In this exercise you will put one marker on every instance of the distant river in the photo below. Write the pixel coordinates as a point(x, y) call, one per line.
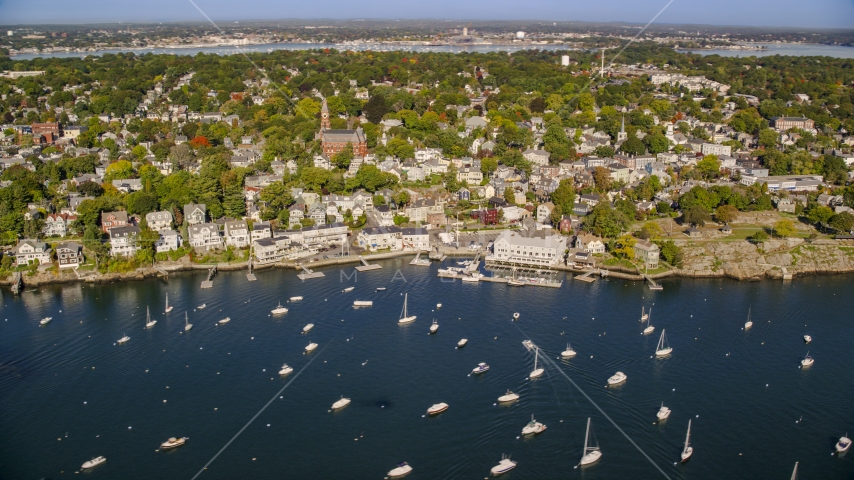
point(791, 49)
point(69, 393)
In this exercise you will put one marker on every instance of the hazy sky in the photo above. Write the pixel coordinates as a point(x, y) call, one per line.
point(796, 13)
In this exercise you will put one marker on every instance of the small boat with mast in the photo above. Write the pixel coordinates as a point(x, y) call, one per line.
point(687, 450)
point(148, 321)
point(663, 413)
point(122, 340)
point(168, 307)
point(568, 353)
point(663, 349)
point(749, 322)
point(45, 321)
point(537, 372)
point(644, 315)
point(187, 324)
point(173, 442)
point(404, 315)
point(649, 328)
point(843, 444)
point(435, 327)
point(279, 310)
point(94, 462)
point(533, 427)
point(592, 453)
point(807, 361)
point(508, 397)
point(504, 466)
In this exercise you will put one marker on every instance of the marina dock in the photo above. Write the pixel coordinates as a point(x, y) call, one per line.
point(209, 282)
point(652, 284)
point(587, 277)
point(309, 273)
point(417, 261)
point(366, 267)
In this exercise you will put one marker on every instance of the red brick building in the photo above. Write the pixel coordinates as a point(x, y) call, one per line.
point(334, 141)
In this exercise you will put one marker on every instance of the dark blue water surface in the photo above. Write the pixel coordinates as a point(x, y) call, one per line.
point(69, 393)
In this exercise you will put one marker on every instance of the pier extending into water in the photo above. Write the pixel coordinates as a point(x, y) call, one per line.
point(209, 282)
point(308, 273)
point(587, 277)
point(367, 267)
point(418, 262)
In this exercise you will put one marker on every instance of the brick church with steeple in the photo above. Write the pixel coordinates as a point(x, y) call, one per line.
point(334, 141)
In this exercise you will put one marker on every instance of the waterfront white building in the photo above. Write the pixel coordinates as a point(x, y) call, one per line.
point(123, 241)
point(540, 248)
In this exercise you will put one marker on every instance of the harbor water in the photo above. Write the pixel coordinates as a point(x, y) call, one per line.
point(71, 393)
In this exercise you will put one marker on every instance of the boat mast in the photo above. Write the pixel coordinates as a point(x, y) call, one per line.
point(795, 472)
point(687, 437)
point(167, 300)
point(536, 356)
point(405, 300)
point(147, 315)
point(586, 437)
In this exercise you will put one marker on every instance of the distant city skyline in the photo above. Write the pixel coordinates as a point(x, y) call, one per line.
point(762, 13)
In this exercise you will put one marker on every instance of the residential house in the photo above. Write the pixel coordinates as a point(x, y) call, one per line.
point(590, 243)
point(384, 216)
point(419, 209)
point(159, 221)
point(470, 175)
point(195, 213)
point(373, 238)
point(169, 240)
point(324, 235)
point(647, 252)
point(536, 157)
point(261, 230)
point(28, 251)
point(416, 239)
point(529, 247)
point(544, 211)
point(128, 185)
point(111, 220)
point(237, 233)
point(69, 254)
point(57, 224)
point(205, 236)
point(464, 194)
point(123, 241)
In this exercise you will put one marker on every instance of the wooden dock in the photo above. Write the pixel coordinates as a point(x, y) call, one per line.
point(209, 282)
point(421, 263)
point(366, 267)
point(587, 277)
point(652, 284)
point(250, 276)
point(309, 274)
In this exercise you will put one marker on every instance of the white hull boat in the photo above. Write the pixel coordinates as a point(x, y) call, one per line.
point(435, 327)
point(617, 379)
point(123, 340)
point(508, 397)
point(663, 413)
point(807, 339)
point(533, 427)
point(843, 444)
point(516, 316)
point(592, 453)
point(94, 462)
point(749, 323)
point(807, 361)
point(348, 289)
point(438, 305)
point(286, 370)
point(687, 450)
point(341, 403)
point(224, 320)
point(187, 324)
point(568, 353)
point(279, 310)
point(296, 299)
point(402, 469)
point(202, 306)
point(168, 308)
point(480, 368)
point(462, 343)
point(307, 328)
point(663, 349)
point(404, 315)
point(380, 289)
point(310, 347)
point(515, 283)
point(537, 372)
point(504, 466)
point(474, 278)
point(173, 442)
point(437, 409)
point(148, 321)
point(644, 315)
point(45, 320)
point(648, 330)
point(363, 303)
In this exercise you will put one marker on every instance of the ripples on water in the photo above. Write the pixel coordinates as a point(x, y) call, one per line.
point(215, 378)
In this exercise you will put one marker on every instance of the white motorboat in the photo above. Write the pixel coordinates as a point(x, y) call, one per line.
point(473, 278)
point(663, 413)
point(224, 320)
point(187, 324)
point(537, 372)
point(348, 289)
point(173, 442)
point(592, 453)
point(297, 298)
point(168, 308)
point(310, 347)
point(307, 328)
point(404, 315)
point(617, 378)
point(516, 316)
point(438, 305)
point(515, 283)
point(807, 361)
point(45, 320)
point(381, 289)
point(508, 397)
point(402, 469)
point(202, 306)
point(663, 349)
point(533, 427)
point(94, 462)
point(462, 343)
point(504, 466)
point(363, 303)
point(843, 444)
point(435, 327)
point(343, 402)
point(687, 450)
point(568, 353)
point(437, 409)
point(286, 370)
point(528, 344)
point(123, 340)
point(807, 339)
point(644, 315)
point(148, 321)
point(480, 368)
point(749, 322)
point(279, 310)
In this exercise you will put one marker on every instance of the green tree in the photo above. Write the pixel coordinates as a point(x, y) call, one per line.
point(696, 215)
point(670, 252)
point(140, 203)
point(759, 237)
point(564, 195)
point(785, 228)
point(375, 108)
point(709, 167)
point(278, 197)
point(819, 214)
point(510, 196)
point(624, 247)
point(343, 158)
point(842, 222)
point(726, 213)
point(768, 138)
point(118, 171)
point(650, 230)
point(633, 146)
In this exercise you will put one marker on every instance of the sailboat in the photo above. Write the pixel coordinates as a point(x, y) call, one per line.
point(187, 324)
point(435, 327)
point(649, 328)
point(644, 315)
point(538, 372)
point(592, 454)
point(148, 321)
point(807, 361)
point(749, 322)
point(795, 472)
point(404, 315)
point(568, 353)
point(279, 310)
point(663, 349)
point(168, 308)
point(688, 450)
